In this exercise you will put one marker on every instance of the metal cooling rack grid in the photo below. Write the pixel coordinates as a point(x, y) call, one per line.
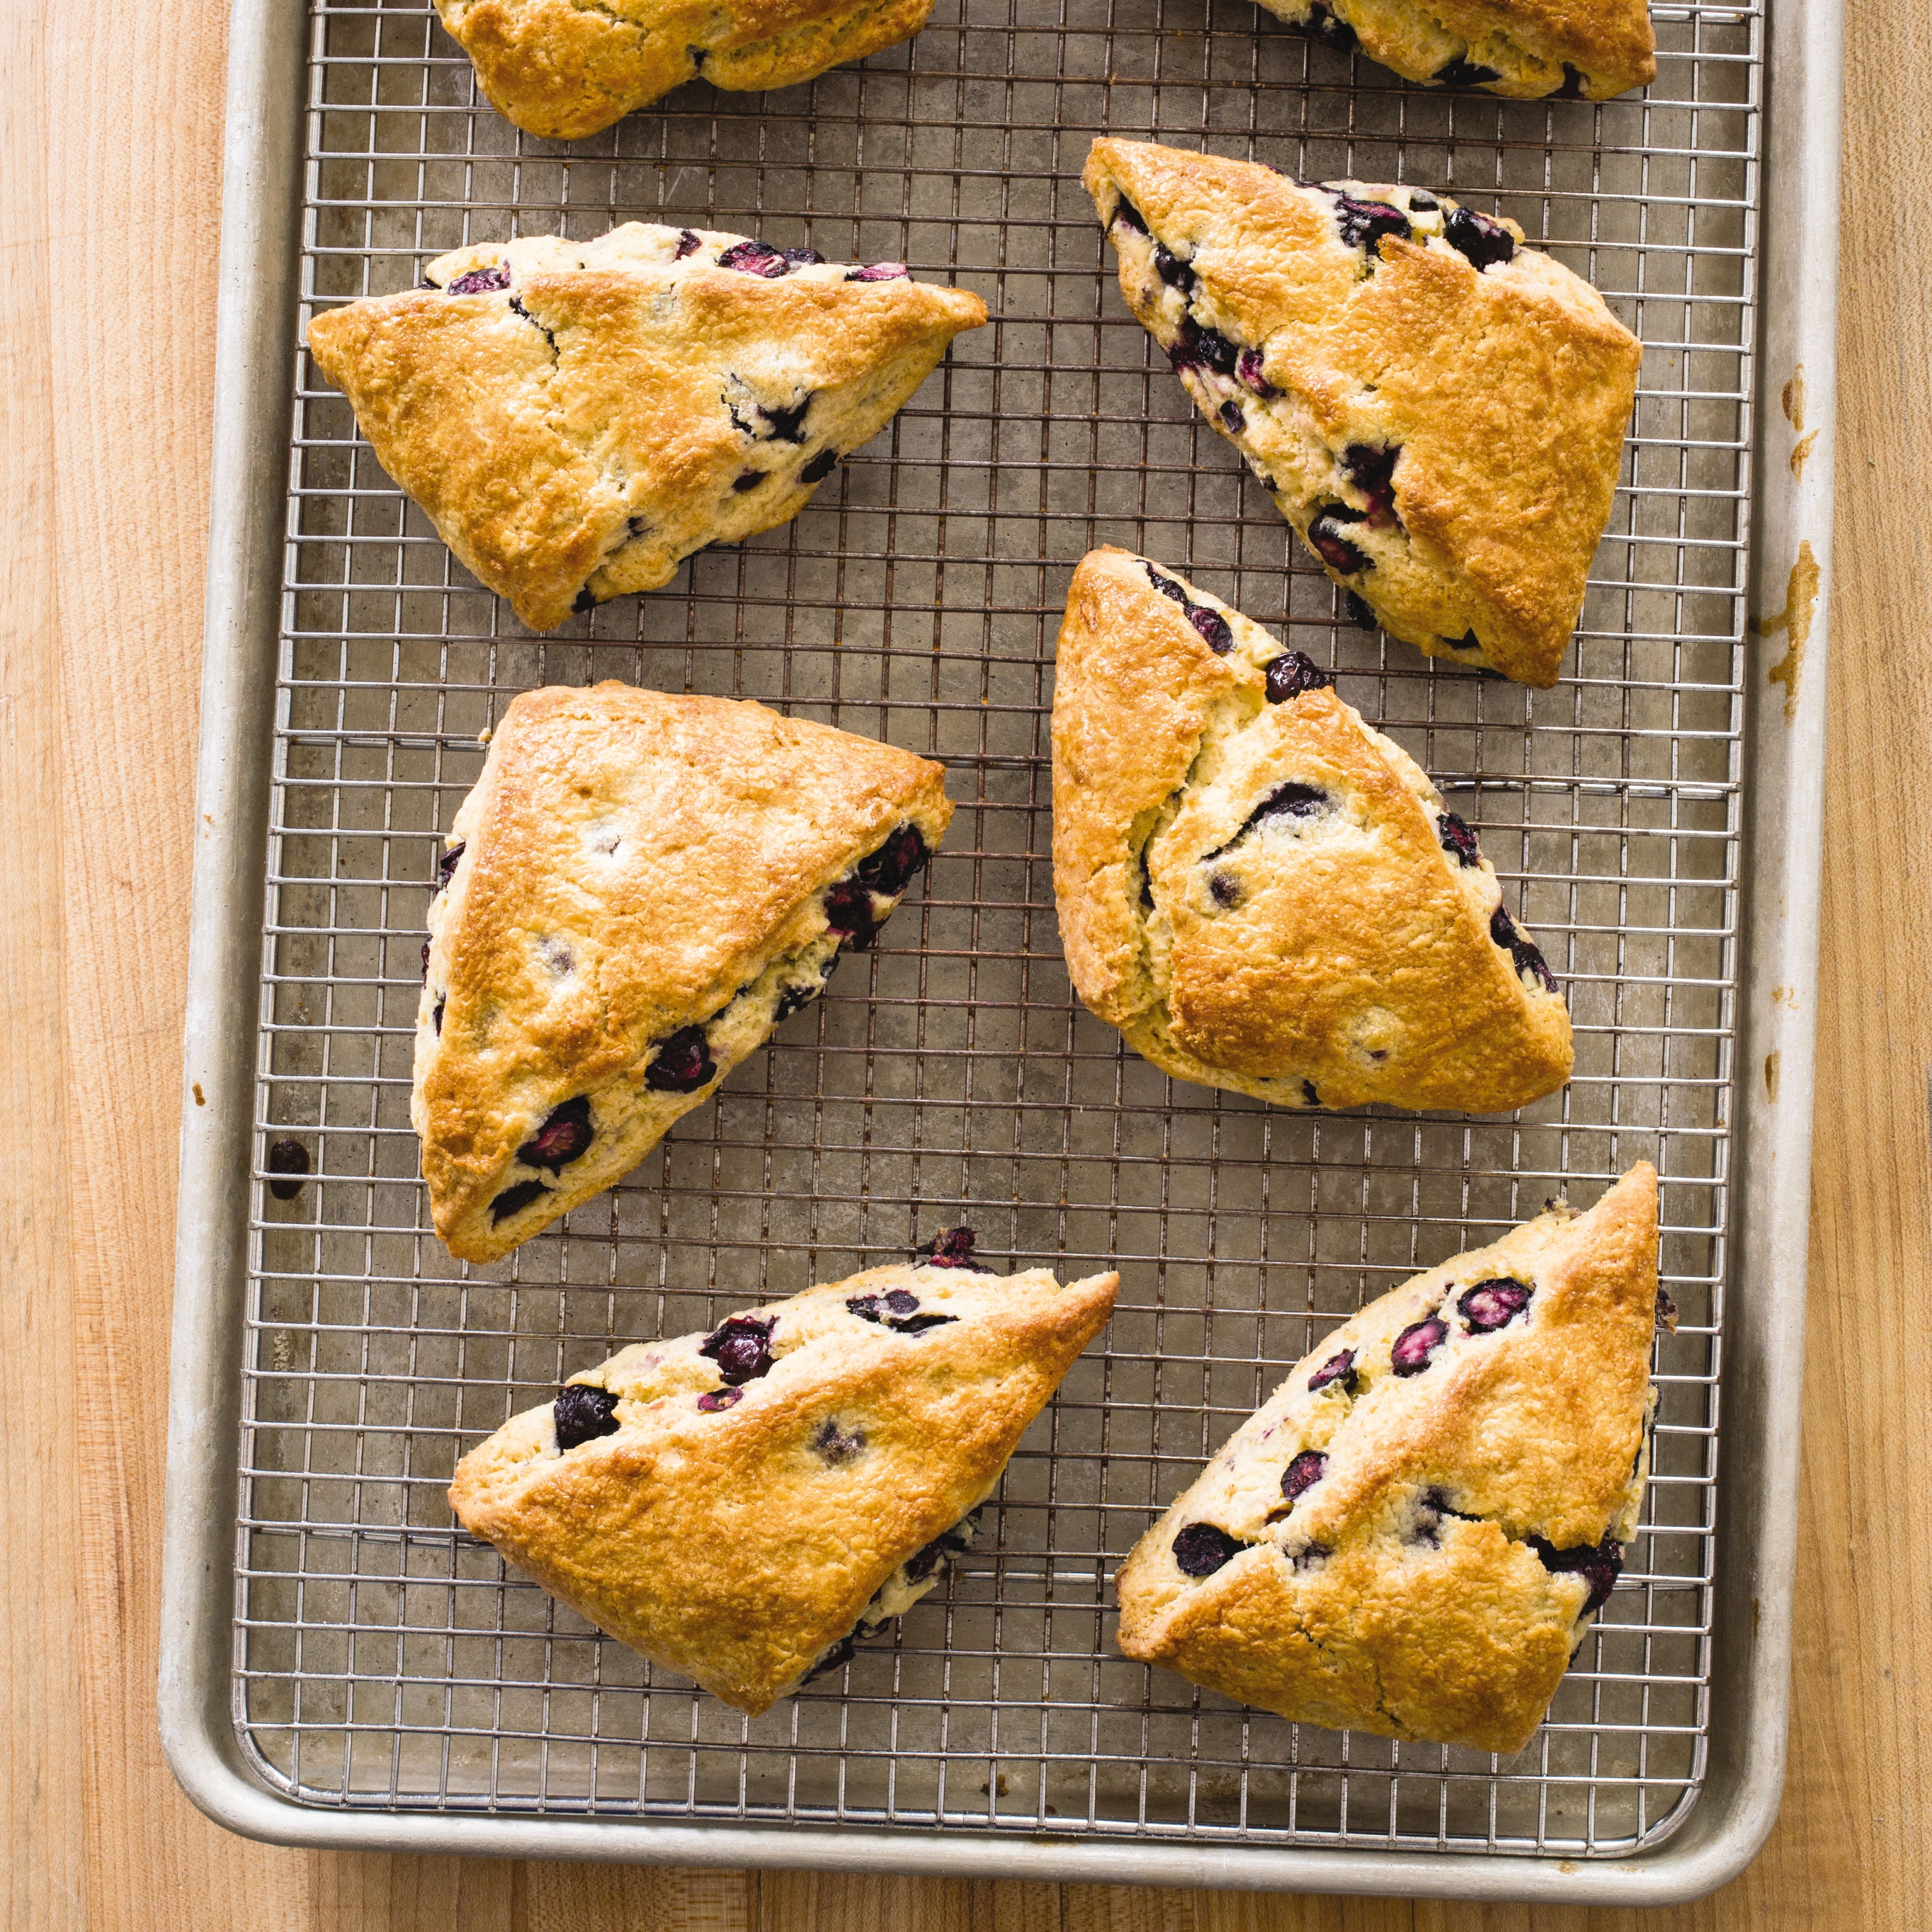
point(383, 1660)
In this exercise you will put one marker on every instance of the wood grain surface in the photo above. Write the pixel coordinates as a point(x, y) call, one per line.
point(110, 164)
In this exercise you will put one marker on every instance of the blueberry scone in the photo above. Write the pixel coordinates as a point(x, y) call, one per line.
point(738, 1506)
point(1438, 411)
point(1414, 1533)
point(1260, 891)
point(638, 890)
point(578, 417)
point(563, 70)
point(1526, 49)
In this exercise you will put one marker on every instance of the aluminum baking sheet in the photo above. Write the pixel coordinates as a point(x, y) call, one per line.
point(376, 1670)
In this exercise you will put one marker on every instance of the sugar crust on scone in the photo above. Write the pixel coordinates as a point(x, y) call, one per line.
point(1417, 1550)
point(1438, 412)
point(638, 888)
point(1356, 952)
point(1524, 50)
point(576, 417)
point(753, 1504)
point(563, 70)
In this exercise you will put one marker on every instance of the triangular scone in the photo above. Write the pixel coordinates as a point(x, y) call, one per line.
point(734, 1505)
point(1260, 891)
point(1438, 412)
point(564, 70)
point(1412, 1535)
point(637, 890)
point(578, 417)
point(1527, 50)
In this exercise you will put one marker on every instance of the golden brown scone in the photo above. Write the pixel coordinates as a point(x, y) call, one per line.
point(1413, 1533)
point(1527, 50)
point(564, 70)
point(637, 890)
point(578, 417)
point(1258, 889)
point(734, 1505)
point(1439, 412)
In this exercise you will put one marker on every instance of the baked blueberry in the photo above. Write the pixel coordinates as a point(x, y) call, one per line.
point(840, 1654)
point(288, 1163)
point(584, 603)
point(1125, 212)
point(1302, 1474)
point(565, 1135)
point(515, 1200)
point(1492, 1304)
point(1168, 587)
point(902, 1300)
point(1225, 890)
point(747, 479)
point(481, 281)
point(952, 1249)
point(1572, 88)
point(1340, 1367)
point(1421, 202)
point(435, 1016)
point(1195, 347)
point(1294, 672)
point(795, 997)
point(1174, 272)
point(1457, 838)
point(837, 1445)
point(755, 258)
point(1308, 1094)
point(712, 1400)
point(1213, 629)
point(802, 258)
point(917, 1324)
point(786, 425)
point(1359, 612)
point(1291, 800)
point(880, 271)
point(1372, 470)
point(1484, 243)
point(896, 863)
point(1326, 539)
point(446, 864)
point(1200, 1550)
point(741, 1347)
point(1248, 367)
point(1325, 24)
point(848, 911)
point(1463, 72)
point(1525, 954)
point(688, 244)
point(1430, 1509)
point(582, 1414)
point(948, 1544)
point(820, 466)
point(1416, 1344)
point(1599, 1564)
point(1231, 416)
point(683, 1062)
point(1363, 224)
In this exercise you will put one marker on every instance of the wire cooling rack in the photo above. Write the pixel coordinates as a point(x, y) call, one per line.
point(384, 1660)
